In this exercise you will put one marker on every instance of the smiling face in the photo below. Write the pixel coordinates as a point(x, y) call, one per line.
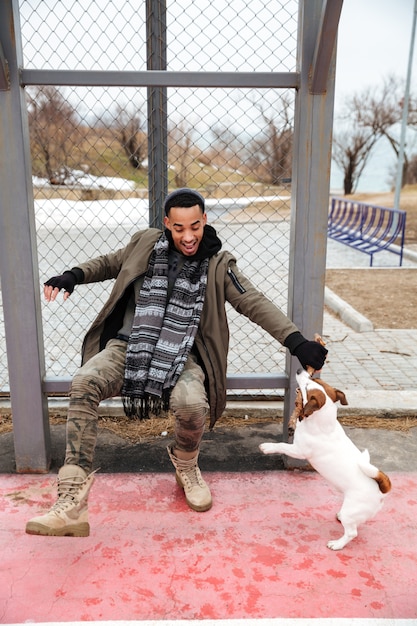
point(187, 228)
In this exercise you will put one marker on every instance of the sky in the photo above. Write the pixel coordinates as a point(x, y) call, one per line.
point(373, 42)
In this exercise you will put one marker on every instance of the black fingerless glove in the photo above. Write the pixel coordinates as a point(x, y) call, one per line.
point(307, 352)
point(67, 280)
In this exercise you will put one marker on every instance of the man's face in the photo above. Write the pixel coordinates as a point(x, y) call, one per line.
point(187, 228)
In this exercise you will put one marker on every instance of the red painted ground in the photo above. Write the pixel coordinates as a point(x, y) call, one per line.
point(260, 552)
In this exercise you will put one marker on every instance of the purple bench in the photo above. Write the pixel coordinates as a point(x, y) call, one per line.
point(366, 227)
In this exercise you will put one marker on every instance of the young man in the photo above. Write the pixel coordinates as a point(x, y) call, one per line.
point(160, 341)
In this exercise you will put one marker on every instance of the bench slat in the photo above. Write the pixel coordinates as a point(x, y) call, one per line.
point(366, 227)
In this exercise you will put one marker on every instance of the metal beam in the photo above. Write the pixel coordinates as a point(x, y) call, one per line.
point(19, 264)
point(158, 78)
point(157, 103)
point(257, 381)
point(234, 381)
point(404, 121)
point(310, 198)
point(4, 71)
point(325, 44)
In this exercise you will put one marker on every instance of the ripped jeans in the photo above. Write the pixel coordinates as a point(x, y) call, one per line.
point(102, 377)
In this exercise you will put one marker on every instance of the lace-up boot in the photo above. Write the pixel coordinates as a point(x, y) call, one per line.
point(188, 476)
point(69, 515)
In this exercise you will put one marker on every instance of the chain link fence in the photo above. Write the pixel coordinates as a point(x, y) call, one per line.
point(89, 148)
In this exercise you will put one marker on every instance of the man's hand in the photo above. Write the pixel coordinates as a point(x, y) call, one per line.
point(320, 340)
point(53, 286)
point(312, 355)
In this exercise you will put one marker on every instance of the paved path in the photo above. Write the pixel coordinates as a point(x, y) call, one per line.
point(259, 553)
point(377, 367)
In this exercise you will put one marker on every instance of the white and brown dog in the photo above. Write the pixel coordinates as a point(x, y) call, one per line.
point(320, 439)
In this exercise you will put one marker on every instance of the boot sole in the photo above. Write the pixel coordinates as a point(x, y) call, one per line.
point(79, 530)
point(195, 507)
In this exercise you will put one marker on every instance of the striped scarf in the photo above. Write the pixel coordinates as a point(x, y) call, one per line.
point(162, 333)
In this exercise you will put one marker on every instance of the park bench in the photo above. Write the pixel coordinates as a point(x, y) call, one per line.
point(367, 227)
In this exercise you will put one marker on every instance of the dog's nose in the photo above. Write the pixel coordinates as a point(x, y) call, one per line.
point(300, 371)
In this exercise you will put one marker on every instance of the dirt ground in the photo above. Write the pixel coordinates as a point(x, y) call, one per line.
point(134, 431)
point(387, 297)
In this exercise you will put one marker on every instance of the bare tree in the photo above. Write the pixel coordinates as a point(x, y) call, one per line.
point(54, 132)
point(131, 135)
point(368, 117)
point(181, 153)
point(271, 152)
point(351, 152)
point(227, 148)
point(411, 174)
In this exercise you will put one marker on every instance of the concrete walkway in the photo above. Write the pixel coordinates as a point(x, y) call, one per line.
point(260, 552)
point(375, 368)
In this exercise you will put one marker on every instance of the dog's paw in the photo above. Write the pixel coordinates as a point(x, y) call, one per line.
point(338, 544)
point(269, 448)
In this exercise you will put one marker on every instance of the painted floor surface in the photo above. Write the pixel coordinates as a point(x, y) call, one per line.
point(260, 552)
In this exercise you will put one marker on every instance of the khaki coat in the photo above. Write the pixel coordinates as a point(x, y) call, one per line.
point(225, 283)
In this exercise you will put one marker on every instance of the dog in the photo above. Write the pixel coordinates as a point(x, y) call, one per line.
point(320, 439)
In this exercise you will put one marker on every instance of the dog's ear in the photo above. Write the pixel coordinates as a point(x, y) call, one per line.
point(316, 398)
point(334, 394)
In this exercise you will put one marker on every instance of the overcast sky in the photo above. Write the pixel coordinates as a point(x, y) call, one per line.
point(374, 41)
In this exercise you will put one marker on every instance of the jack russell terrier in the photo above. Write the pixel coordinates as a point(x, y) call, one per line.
point(320, 439)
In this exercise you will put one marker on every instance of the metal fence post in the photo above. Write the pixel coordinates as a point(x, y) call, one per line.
point(157, 111)
point(18, 262)
point(311, 182)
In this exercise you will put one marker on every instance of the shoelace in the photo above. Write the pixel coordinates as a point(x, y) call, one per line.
point(67, 490)
point(192, 476)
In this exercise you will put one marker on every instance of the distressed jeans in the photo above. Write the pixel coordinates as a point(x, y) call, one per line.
point(102, 377)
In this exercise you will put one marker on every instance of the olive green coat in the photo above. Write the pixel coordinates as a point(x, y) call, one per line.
point(225, 283)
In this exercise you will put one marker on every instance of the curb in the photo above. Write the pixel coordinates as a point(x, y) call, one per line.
point(409, 254)
point(347, 313)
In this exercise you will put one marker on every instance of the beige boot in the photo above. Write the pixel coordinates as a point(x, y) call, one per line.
point(69, 515)
point(188, 475)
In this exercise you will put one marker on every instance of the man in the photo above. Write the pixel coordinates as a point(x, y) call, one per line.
point(160, 341)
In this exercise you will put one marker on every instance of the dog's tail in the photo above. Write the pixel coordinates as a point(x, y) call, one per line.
point(370, 470)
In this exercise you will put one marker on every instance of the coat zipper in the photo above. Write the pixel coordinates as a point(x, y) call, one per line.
point(235, 281)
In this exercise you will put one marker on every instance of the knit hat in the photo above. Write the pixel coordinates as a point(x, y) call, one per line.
point(183, 198)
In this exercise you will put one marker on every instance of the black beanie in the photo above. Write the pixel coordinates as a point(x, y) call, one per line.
point(183, 198)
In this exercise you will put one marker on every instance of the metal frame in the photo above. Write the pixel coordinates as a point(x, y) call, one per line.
point(18, 263)
point(158, 78)
point(311, 181)
point(4, 71)
point(314, 83)
point(156, 45)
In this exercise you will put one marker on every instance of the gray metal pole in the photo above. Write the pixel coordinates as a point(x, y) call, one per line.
point(310, 192)
point(156, 78)
point(18, 262)
point(157, 112)
point(400, 165)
